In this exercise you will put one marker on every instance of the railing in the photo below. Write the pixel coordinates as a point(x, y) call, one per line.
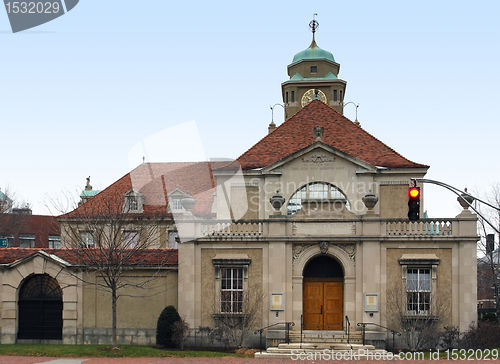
point(301, 329)
point(287, 333)
point(425, 227)
point(394, 332)
point(348, 328)
point(249, 228)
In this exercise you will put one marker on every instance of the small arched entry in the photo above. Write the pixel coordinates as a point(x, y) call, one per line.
point(323, 294)
point(40, 309)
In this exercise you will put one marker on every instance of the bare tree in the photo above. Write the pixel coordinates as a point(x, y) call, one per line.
point(109, 237)
point(12, 215)
point(419, 330)
point(6, 202)
point(237, 326)
point(181, 333)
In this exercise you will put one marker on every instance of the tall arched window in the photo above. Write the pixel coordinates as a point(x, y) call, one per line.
point(317, 191)
point(40, 308)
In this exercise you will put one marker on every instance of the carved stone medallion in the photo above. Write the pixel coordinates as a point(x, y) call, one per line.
point(323, 247)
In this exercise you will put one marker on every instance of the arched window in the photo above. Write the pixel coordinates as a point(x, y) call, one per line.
point(40, 308)
point(317, 191)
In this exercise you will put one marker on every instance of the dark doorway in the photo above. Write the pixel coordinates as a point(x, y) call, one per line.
point(323, 294)
point(40, 309)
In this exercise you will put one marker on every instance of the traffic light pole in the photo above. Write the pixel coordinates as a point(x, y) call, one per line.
point(459, 193)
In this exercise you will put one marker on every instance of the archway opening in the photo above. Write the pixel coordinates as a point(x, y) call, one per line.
point(40, 309)
point(323, 294)
point(323, 266)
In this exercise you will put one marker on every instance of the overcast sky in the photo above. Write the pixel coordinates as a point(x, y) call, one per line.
point(78, 93)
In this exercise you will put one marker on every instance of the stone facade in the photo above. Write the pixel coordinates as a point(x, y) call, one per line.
point(286, 223)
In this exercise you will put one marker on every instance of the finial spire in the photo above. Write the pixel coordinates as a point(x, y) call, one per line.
point(314, 25)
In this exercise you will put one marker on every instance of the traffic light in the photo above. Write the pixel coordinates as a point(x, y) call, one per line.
point(414, 203)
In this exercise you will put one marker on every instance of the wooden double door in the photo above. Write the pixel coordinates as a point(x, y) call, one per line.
point(323, 303)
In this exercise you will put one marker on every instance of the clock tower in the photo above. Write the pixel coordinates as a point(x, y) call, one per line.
point(313, 74)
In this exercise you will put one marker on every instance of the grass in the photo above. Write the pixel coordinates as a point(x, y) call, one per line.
point(130, 351)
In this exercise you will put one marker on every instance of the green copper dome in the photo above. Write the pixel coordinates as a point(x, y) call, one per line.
point(313, 52)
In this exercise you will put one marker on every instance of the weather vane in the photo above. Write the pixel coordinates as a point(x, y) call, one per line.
point(314, 25)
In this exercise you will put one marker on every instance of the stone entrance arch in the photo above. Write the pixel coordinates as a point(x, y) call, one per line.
point(40, 308)
point(349, 278)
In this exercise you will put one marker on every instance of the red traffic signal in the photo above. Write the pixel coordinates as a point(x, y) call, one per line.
point(414, 203)
point(414, 192)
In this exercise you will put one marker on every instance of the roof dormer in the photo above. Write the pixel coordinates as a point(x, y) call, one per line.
point(134, 202)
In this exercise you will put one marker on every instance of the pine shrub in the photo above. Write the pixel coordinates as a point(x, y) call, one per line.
point(165, 327)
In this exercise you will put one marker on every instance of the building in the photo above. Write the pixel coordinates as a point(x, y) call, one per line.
point(310, 224)
point(20, 228)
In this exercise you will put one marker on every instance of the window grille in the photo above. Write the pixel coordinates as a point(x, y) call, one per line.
point(418, 291)
point(231, 290)
point(316, 190)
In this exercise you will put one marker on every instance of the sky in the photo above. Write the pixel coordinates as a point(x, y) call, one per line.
point(78, 93)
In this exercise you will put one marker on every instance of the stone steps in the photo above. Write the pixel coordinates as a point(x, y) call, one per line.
point(324, 351)
point(324, 345)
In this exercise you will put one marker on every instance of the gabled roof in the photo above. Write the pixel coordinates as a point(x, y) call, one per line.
point(154, 181)
point(143, 258)
point(339, 132)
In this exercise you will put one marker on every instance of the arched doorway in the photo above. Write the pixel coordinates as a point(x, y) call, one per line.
point(323, 294)
point(40, 309)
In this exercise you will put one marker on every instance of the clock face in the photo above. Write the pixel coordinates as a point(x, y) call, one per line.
point(311, 95)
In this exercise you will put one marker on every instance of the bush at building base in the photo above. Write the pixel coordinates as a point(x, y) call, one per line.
point(166, 327)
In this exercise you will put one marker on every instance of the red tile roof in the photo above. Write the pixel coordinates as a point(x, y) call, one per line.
point(155, 181)
point(339, 132)
point(143, 258)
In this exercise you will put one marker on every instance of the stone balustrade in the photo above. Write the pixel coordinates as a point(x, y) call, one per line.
point(245, 228)
point(331, 228)
point(424, 227)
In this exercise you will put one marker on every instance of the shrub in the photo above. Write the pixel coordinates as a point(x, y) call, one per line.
point(181, 333)
point(450, 337)
point(485, 336)
point(165, 327)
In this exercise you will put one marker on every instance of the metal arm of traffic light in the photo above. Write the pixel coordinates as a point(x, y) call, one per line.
point(459, 193)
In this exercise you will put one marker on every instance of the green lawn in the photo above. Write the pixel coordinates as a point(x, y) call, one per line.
point(131, 351)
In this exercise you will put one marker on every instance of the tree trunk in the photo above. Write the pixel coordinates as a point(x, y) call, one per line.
point(114, 298)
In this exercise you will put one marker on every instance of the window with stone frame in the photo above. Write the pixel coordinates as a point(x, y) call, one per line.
point(419, 273)
point(231, 283)
point(231, 298)
point(418, 291)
